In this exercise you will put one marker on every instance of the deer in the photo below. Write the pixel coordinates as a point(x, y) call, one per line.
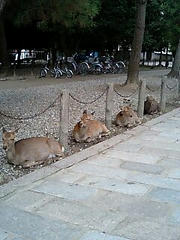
point(87, 116)
point(88, 129)
point(127, 117)
point(151, 106)
point(32, 151)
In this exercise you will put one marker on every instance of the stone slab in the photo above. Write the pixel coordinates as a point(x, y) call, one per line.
point(174, 173)
point(174, 218)
point(94, 235)
point(28, 200)
point(104, 161)
point(95, 170)
point(169, 163)
point(127, 147)
point(3, 234)
point(35, 227)
point(160, 152)
point(80, 215)
point(132, 156)
point(65, 190)
point(165, 195)
point(155, 180)
point(110, 184)
point(148, 228)
point(130, 205)
point(142, 167)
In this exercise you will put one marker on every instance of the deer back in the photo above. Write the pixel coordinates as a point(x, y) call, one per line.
point(31, 150)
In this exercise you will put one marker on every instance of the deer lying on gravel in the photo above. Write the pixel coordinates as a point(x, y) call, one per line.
point(31, 151)
point(88, 129)
point(151, 106)
point(127, 117)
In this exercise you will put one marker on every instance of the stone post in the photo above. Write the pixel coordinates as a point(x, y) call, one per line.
point(163, 95)
point(141, 98)
point(178, 86)
point(64, 118)
point(109, 105)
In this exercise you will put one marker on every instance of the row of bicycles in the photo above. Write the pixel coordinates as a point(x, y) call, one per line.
point(83, 65)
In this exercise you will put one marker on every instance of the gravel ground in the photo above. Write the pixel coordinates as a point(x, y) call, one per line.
point(32, 98)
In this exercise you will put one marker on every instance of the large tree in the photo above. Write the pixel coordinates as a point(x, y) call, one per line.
point(133, 68)
point(173, 32)
point(175, 71)
point(3, 44)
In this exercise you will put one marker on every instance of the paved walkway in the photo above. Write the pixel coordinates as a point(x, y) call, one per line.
point(127, 187)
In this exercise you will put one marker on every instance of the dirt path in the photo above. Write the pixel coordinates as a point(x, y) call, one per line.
point(29, 81)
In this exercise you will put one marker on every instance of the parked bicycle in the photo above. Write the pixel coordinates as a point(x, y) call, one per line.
point(62, 67)
point(111, 66)
point(53, 72)
point(91, 65)
point(57, 71)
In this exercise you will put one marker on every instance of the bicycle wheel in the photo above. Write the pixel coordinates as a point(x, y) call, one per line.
point(121, 67)
point(69, 73)
point(43, 73)
point(53, 73)
point(83, 68)
point(98, 70)
point(72, 66)
point(58, 74)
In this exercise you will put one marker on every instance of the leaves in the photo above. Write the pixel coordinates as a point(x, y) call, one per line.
point(67, 13)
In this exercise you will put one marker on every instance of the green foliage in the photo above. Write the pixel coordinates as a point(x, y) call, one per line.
point(68, 13)
point(115, 23)
point(162, 26)
point(101, 24)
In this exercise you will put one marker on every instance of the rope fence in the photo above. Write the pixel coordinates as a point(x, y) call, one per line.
point(30, 117)
point(64, 96)
point(126, 96)
point(151, 89)
point(171, 88)
point(85, 103)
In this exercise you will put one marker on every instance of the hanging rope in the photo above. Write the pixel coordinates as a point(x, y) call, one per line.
point(85, 103)
point(126, 96)
point(30, 117)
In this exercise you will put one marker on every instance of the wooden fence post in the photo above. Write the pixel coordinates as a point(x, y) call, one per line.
point(64, 118)
point(141, 98)
point(109, 105)
point(163, 95)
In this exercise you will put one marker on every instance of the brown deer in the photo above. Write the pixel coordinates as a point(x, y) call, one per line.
point(88, 129)
point(87, 116)
point(31, 151)
point(127, 117)
point(151, 106)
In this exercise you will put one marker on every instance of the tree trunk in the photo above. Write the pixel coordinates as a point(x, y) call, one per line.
point(2, 5)
point(133, 68)
point(160, 59)
point(3, 46)
point(175, 71)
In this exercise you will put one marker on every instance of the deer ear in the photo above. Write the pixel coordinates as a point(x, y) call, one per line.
point(16, 130)
point(92, 113)
point(4, 130)
point(85, 112)
point(126, 109)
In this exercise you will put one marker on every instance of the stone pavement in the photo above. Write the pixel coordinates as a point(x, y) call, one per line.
point(125, 188)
